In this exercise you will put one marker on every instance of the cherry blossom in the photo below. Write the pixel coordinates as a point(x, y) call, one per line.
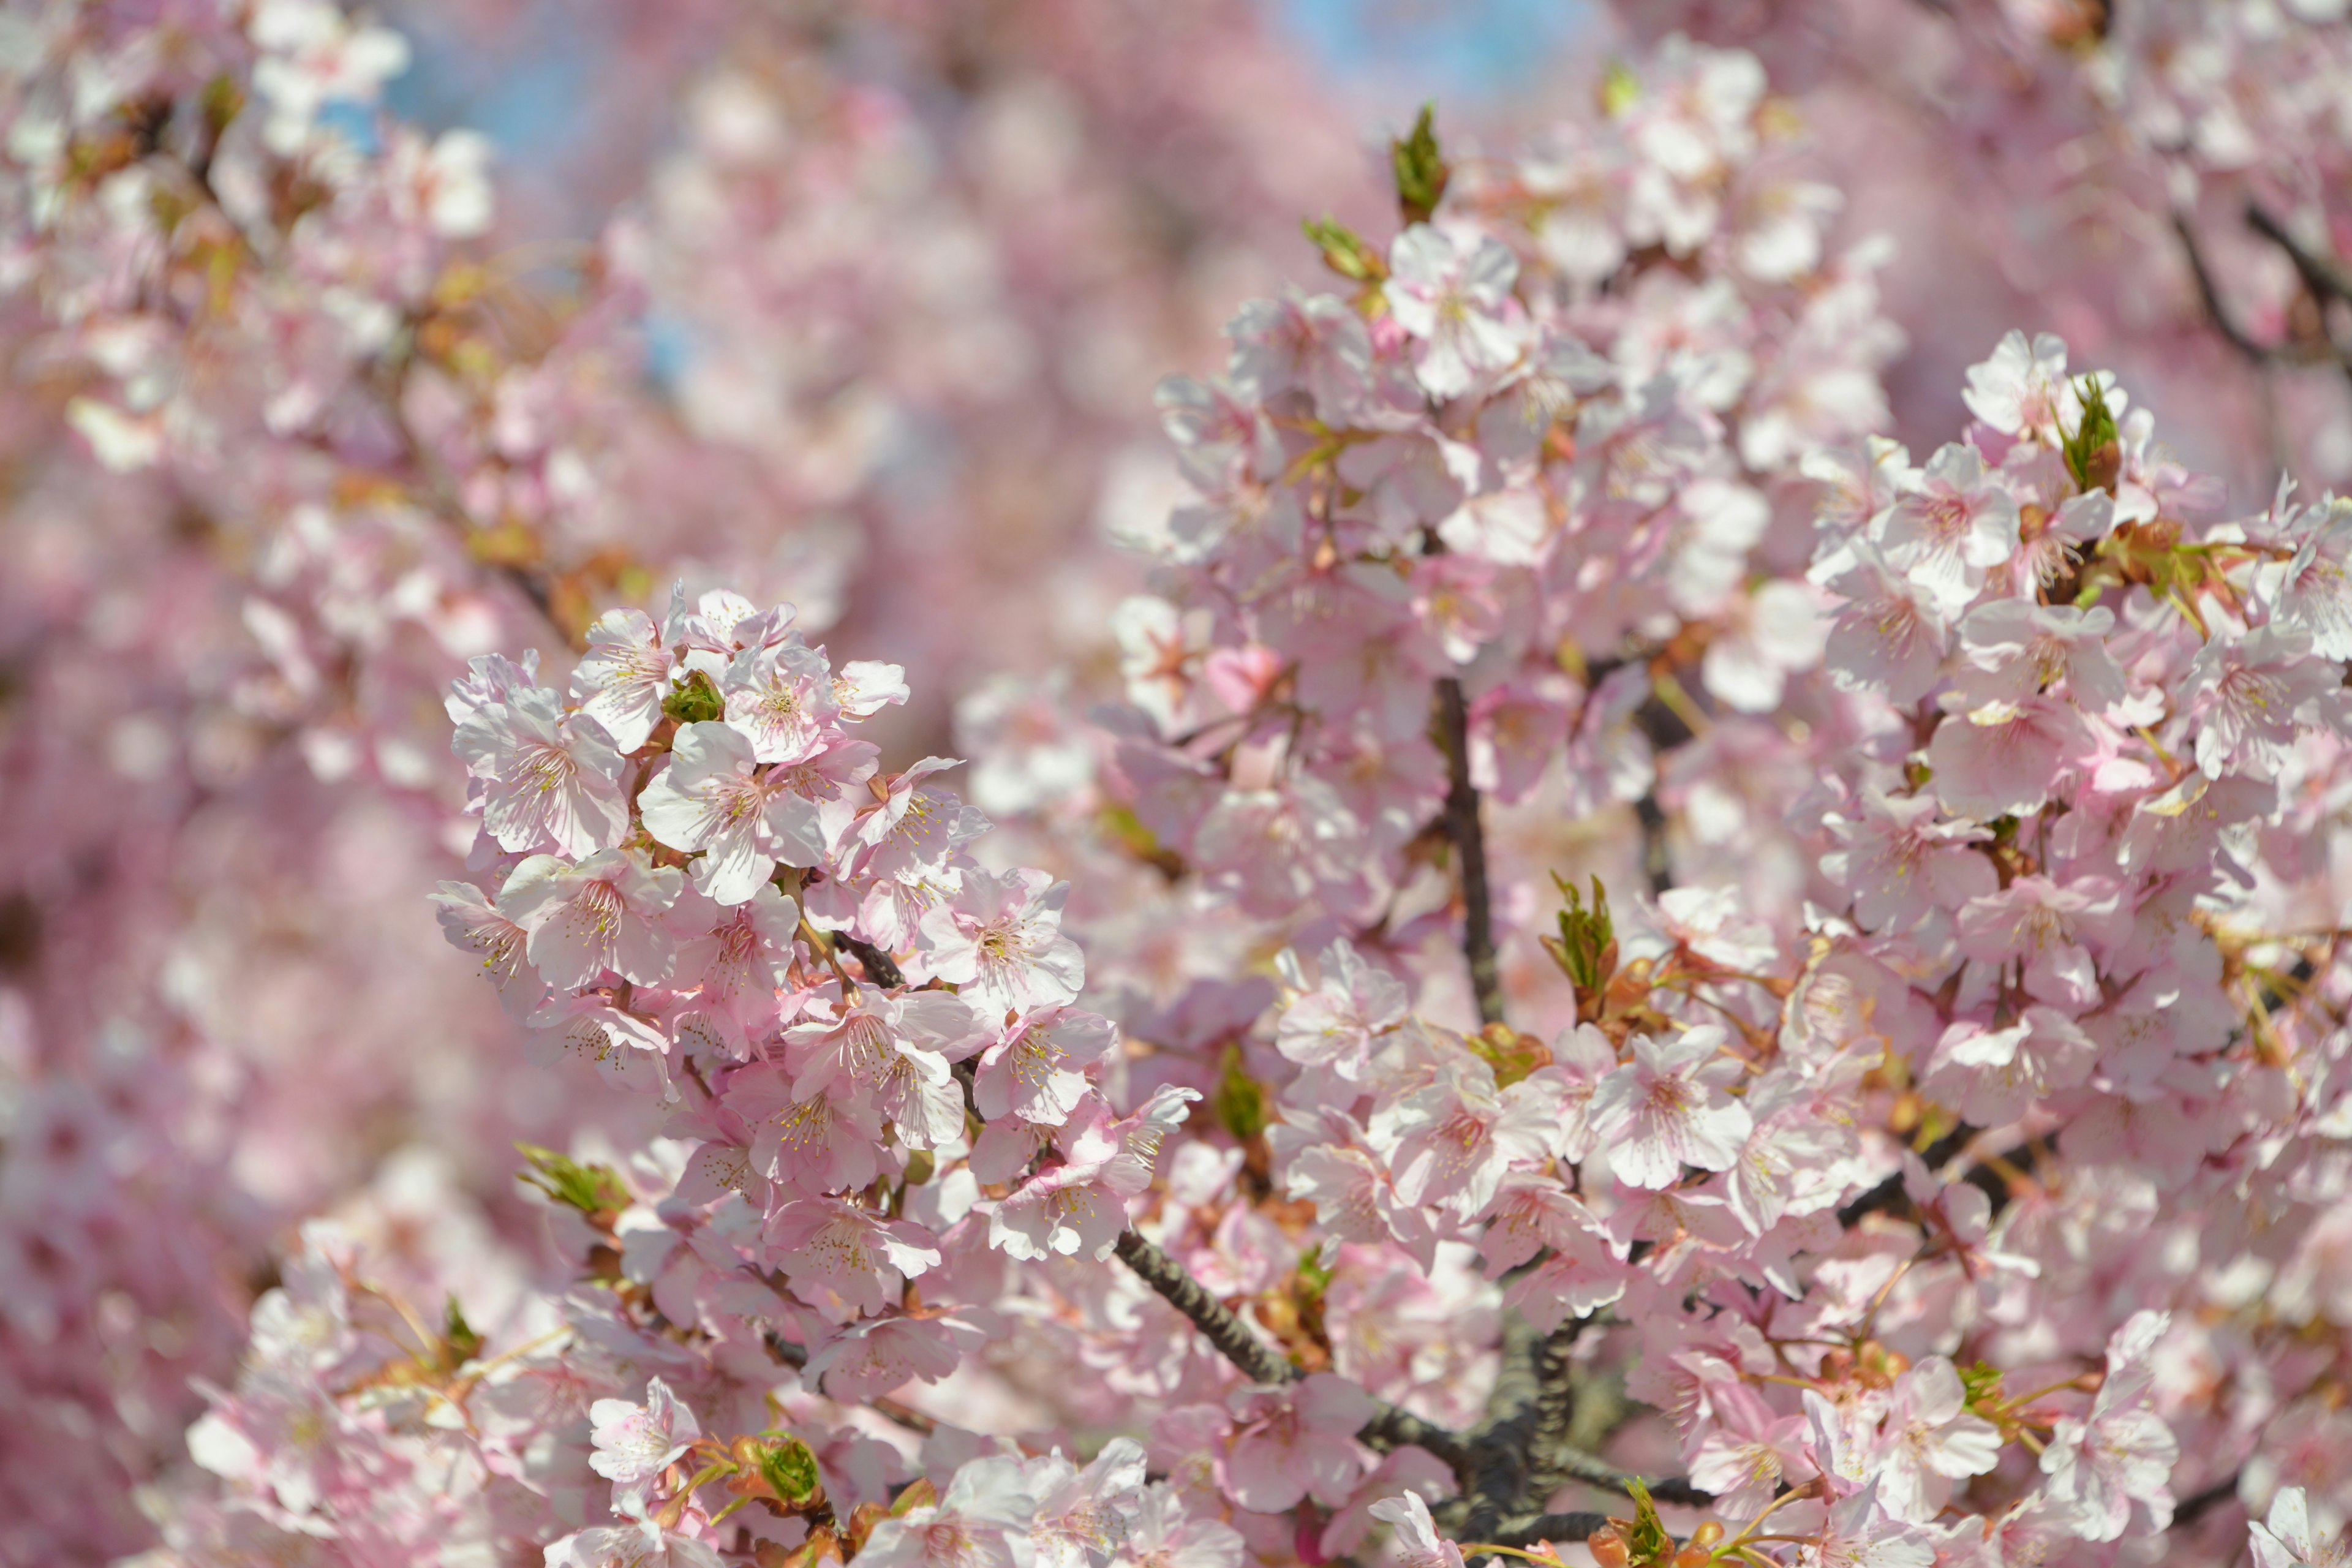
point(2285, 1538)
point(708, 801)
point(1454, 297)
point(552, 780)
point(1001, 935)
point(1572, 863)
point(636, 1442)
point(1290, 1444)
point(1664, 1109)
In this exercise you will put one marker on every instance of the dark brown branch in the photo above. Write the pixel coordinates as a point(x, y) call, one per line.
point(1555, 1527)
point(1664, 730)
point(1522, 1453)
point(1502, 1447)
point(1657, 863)
point(1392, 1426)
point(880, 967)
point(1576, 1465)
point(1217, 1324)
point(2209, 294)
point(1888, 1195)
point(2324, 276)
point(2198, 1504)
point(1555, 1409)
point(1469, 836)
point(1389, 1426)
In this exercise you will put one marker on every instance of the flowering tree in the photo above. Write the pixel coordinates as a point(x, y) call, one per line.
point(287, 441)
point(2163, 184)
point(1621, 970)
point(1822, 1169)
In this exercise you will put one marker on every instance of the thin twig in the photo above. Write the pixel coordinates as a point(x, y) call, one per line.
point(2209, 294)
point(1389, 1426)
point(2326, 277)
point(1469, 836)
point(1577, 1465)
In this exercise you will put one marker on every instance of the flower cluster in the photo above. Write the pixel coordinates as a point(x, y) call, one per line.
point(700, 882)
point(2163, 182)
point(299, 418)
point(1638, 970)
point(358, 1430)
point(1488, 470)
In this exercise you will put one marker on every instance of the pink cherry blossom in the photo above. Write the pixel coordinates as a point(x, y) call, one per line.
point(709, 800)
point(1929, 1440)
point(781, 698)
point(1000, 938)
point(847, 1260)
point(1418, 1544)
point(1337, 1023)
point(1295, 1442)
point(2002, 758)
point(1665, 1109)
point(636, 1443)
point(2285, 1538)
point(1450, 1141)
point(2121, 1454)
point(1456, 299)
point(981, 1520)
point(548, 782)
point(1037, 1071)
point(623, 677)
point(602, 913)
point(1952, 526)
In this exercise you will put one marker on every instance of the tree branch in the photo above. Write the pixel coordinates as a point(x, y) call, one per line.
point(2209, 294)
point(2198, 1504)
point(1469, 836)
point(1888, 1195)
point(880, 967)
point(1217, 1324)
point(1393, 1427)
point(1389, 1426)
point(1576, 1465)
point(1502, 1447)
point(1559, 1527)
point(1555, 1408)
point(2324, 276)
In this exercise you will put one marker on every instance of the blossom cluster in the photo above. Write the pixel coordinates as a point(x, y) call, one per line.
point(1487, 468)
point(356, 1429)
point(679, 913)
point(298, 422)
point(2163, 183)
point(1614, 940)
point(2037, 746)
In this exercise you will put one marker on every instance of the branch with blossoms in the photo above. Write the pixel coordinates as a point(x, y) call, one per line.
point(2326, 283)
point(270, 229)
point(1988, 956)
